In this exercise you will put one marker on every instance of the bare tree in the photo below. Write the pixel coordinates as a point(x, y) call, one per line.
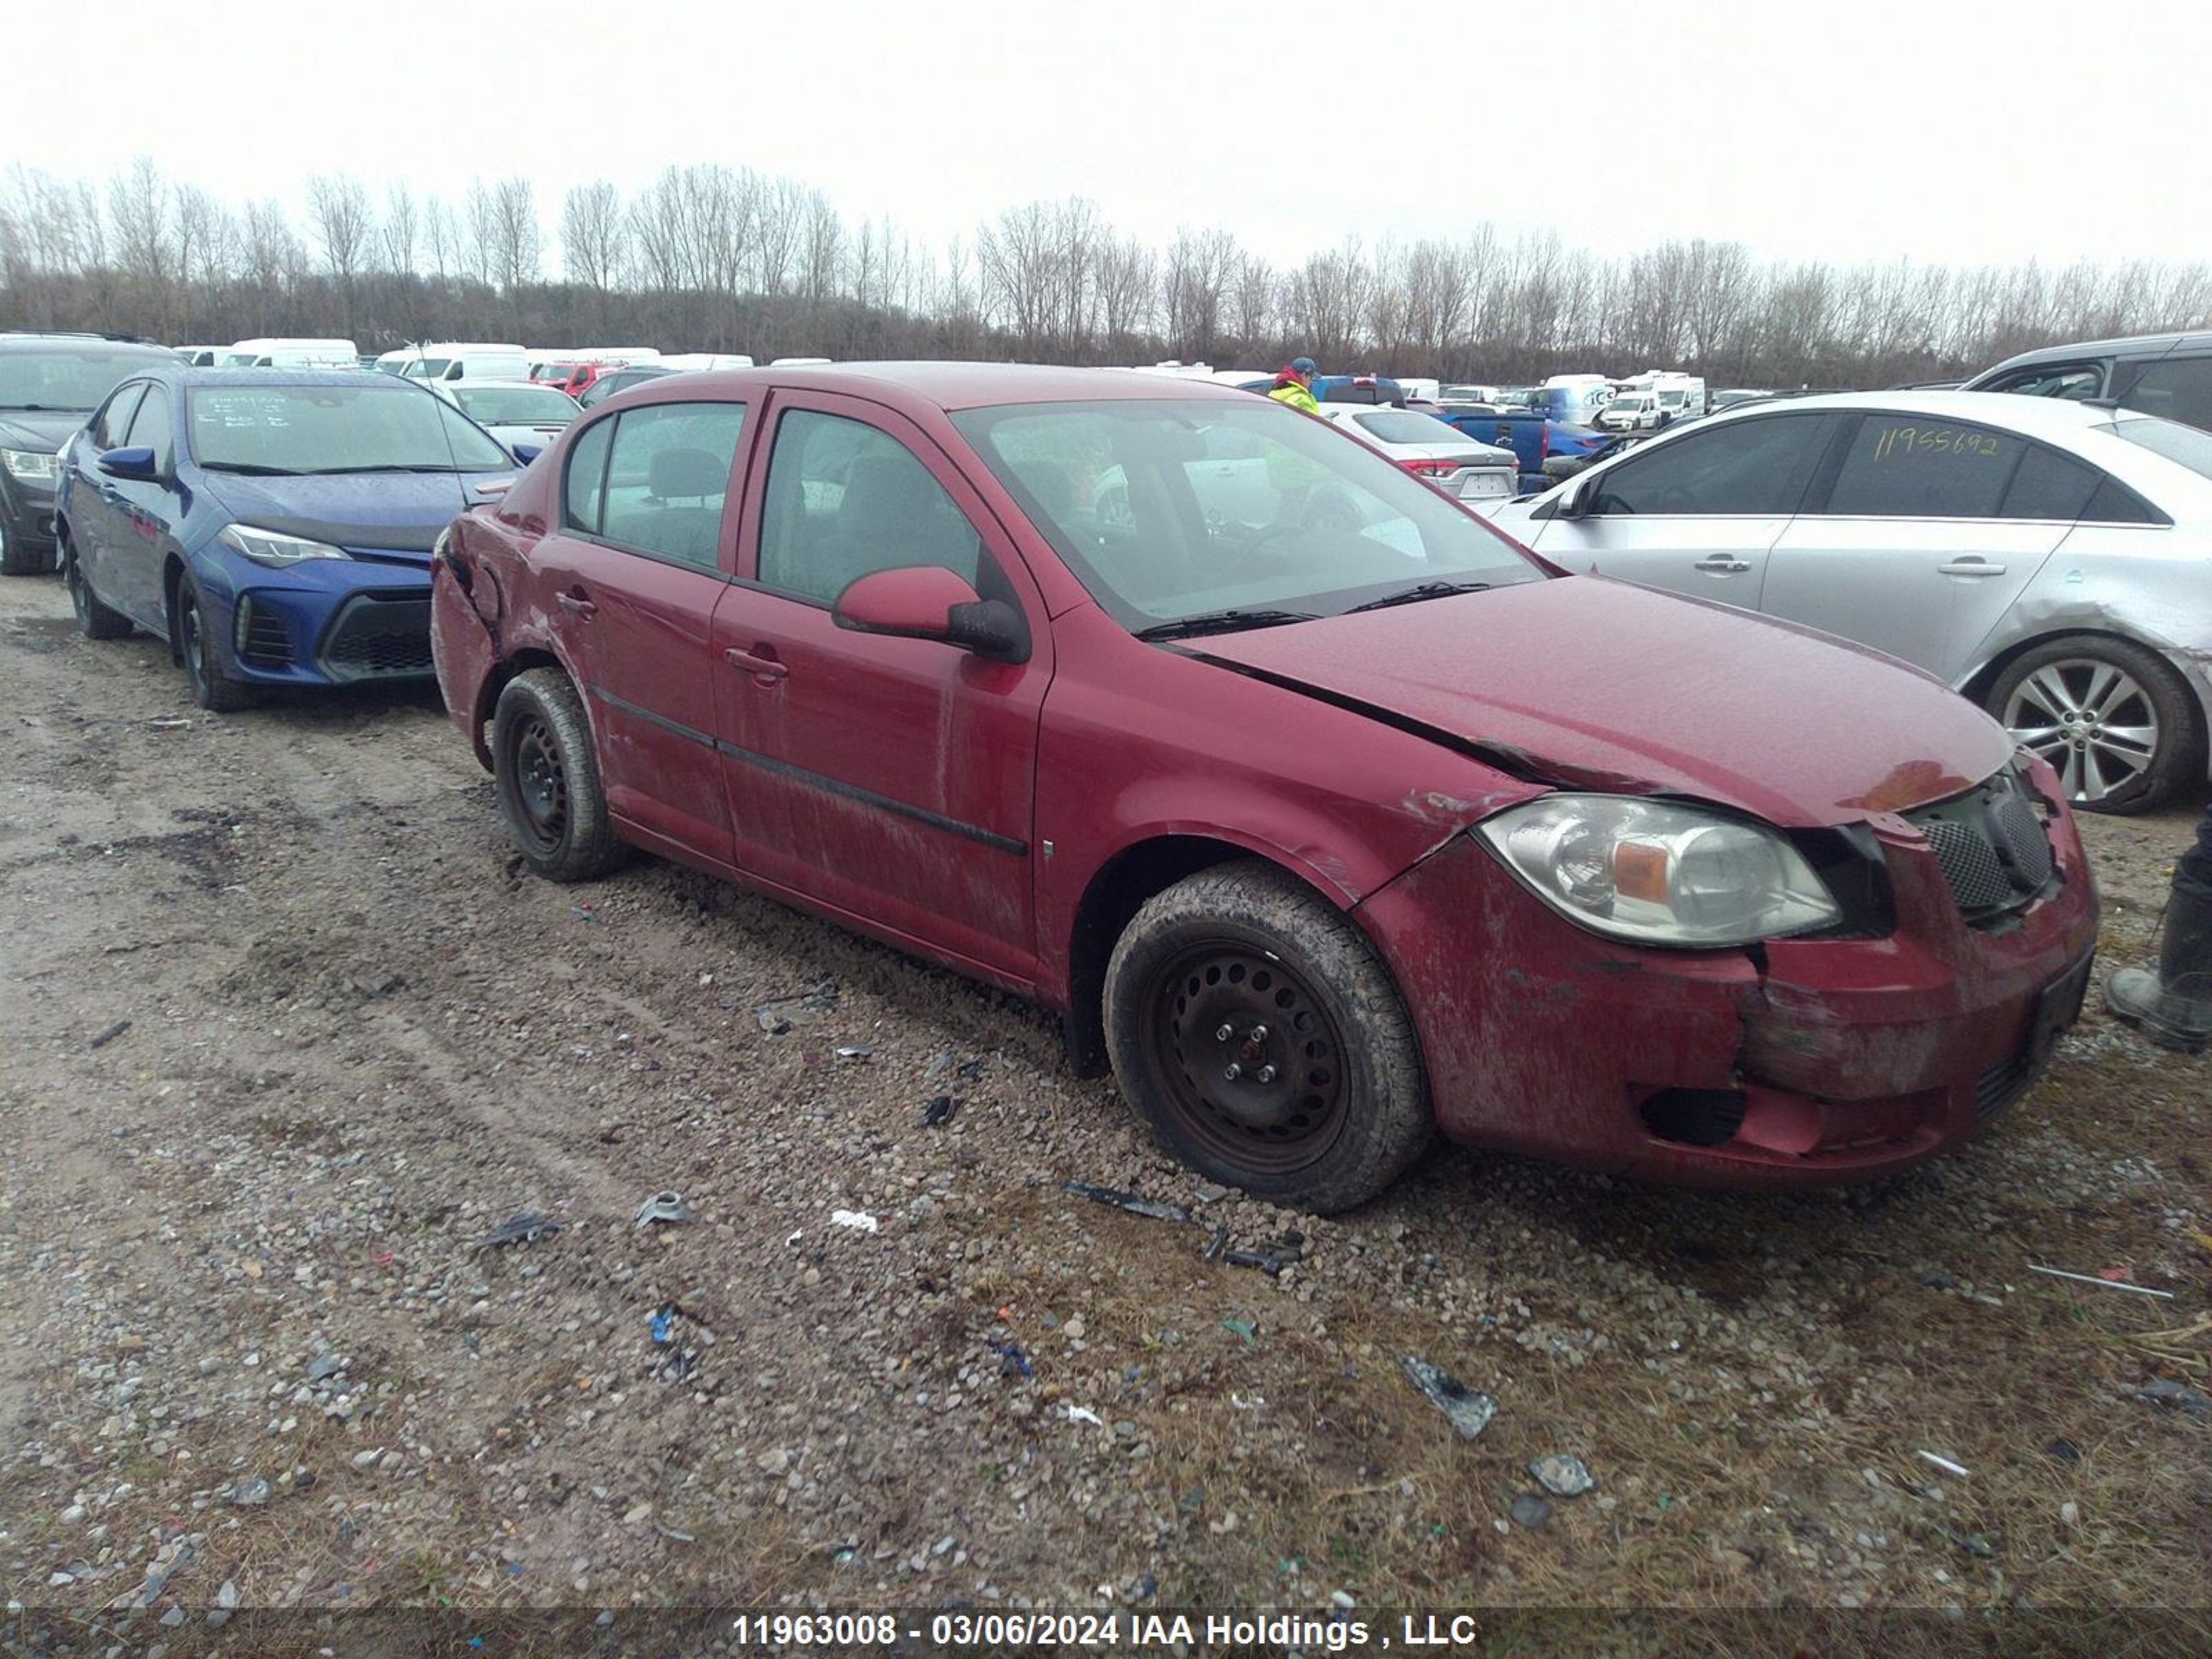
point(1201, 266)
point(337, 209)
point(399, 230)
point(591, 236)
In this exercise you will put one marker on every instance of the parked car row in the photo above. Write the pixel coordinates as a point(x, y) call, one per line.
point(917, 647)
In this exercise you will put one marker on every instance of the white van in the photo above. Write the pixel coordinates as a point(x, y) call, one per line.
point(290, 354)
point(687, 362)
point(467, 360)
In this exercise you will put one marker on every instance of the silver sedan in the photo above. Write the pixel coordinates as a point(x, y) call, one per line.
point(2052, 561)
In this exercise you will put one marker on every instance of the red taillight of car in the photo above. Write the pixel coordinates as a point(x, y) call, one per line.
point(1543, 439)
point(1428, 469)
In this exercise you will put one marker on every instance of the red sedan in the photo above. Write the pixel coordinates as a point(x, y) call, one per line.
point(1326, 815)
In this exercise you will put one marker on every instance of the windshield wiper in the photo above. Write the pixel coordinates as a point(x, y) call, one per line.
point(44, 409)
point(1221, 621)
point(437, 466)
point(251, 469)
point(1417, 592)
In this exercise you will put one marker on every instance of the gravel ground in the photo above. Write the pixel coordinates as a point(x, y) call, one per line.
point(288, 1037)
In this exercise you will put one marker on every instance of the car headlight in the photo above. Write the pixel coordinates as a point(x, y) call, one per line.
point(1658, 873)
point(31, 465)
point(273, 548)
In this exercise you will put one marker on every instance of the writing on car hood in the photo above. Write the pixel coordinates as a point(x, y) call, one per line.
point(1598, 684)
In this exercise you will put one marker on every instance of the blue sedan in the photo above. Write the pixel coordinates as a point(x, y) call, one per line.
point(275, 526)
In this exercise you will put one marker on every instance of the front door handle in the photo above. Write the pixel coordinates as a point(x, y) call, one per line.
point(760, 662)
point(578, 606)
point(1971, 564)
point(1719, 565)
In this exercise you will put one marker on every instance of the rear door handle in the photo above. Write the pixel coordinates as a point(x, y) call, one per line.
point(577, 606)
point(762, 667)
point(1971, 565)
point(1721, 566)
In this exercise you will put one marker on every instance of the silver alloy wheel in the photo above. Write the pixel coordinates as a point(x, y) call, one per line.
point(2092, 721)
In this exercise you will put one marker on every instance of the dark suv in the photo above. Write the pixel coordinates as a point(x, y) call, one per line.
point(2168, 374)
point(49, 384)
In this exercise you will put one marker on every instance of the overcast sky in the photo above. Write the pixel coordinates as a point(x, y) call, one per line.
point(1960, 133)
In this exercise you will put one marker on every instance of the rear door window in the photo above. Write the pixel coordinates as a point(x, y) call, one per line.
point(667, 478)
point(1909, 466)
point(1753, 467)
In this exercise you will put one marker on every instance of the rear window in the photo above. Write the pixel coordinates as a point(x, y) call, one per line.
point(67, 378)
point(2184, 444)
point(1398, 426)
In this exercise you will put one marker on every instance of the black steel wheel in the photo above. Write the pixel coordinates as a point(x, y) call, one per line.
point(548, 779)
point(94, 619)
point(1255, 1029)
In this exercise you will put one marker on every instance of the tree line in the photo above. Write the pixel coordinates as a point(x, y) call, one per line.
point(719, 259)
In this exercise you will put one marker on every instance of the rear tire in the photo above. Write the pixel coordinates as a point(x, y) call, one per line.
point(548, 778)
point(94, 619)
point(215, 688)
point(2112, 717)
point(1316, 1096)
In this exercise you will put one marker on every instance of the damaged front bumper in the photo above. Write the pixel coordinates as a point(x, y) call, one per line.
point(1799, 1062)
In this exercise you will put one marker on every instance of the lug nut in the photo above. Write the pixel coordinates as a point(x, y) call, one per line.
point(1224, 1033)
point(1259, 1034)
point(1232, 1071)
point(1266, 1075)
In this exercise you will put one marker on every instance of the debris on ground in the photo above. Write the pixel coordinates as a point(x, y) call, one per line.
point(1243, 1327)
point(1012, 1362)
point(1084, 1414)
point(1469, 1412)
point(1944, 1464)
point(1531, 1509)
point(325, 1365)
point(663, 1325)
point(109, 1035)
point(2102, 1280)
point(775, 1020)
point(2064, 1450)
point(770, 1021)
point(524, 1227)
point(668, 1207)
point(939, 1111)
point(1285, 1251)
point(2191, 1402)
point(859, 1220)
point(1563, 1475)
point(857, 1051)
point(1150, 1207)
point(250, 1492)
point(1975, 1544)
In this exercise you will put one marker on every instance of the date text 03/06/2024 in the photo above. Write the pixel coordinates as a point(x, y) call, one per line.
point(1335, 1632)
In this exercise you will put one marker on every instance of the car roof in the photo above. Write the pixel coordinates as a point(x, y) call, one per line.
point(10, 341)
point(2132, 345)
point(2044, 418)
point(955, 385)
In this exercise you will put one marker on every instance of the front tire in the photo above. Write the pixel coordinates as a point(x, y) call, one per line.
point(548, 778)
point(215, 688)
point(94, 619)
point(2112, 717)
point(1254, 1028)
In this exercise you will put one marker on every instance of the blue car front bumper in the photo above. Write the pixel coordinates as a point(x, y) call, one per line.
point(326, 621)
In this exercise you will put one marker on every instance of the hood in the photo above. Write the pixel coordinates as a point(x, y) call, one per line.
point(400, 511)
point(1593, 683)
point(43, 430)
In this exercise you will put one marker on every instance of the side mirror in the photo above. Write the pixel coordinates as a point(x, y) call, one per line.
point(1579, 499)
point(526, 453)
point(928, 602)
point(130, 464)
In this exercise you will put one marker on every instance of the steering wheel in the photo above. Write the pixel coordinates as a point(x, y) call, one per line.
point(1252, 560)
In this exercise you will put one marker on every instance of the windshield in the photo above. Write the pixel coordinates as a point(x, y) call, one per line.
point(1631, 403)
point(374, 427)
point(2177, 442)
point(1398, 426)
point(428, 368)
point(1166, 508)
point(69, 378)
point(529, 406)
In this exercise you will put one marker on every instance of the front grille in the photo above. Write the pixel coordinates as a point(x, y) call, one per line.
point(264, 641)
point(2004, 1083)
point(1993, 847)
point(379, 636)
